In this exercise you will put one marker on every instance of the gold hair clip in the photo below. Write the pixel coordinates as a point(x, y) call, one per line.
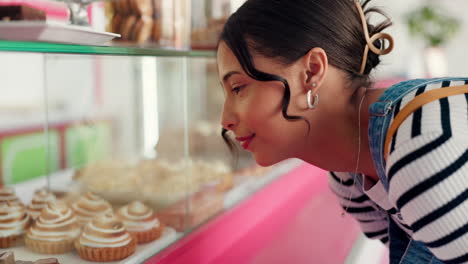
point(370, 40)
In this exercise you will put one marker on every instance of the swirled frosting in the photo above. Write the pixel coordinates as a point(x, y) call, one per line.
point(13, 219)
point(8, 194)
point(136, 216)
point(39, 201)
point(89, 206)
point(56, 222)
point(105, 231)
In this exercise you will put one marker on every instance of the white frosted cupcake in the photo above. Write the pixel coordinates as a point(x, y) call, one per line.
point(105, 238)
point(89, 206)
point(7, 194)
point(54, 231)
point(39, 202)
point(141, 222)
point(13, 222)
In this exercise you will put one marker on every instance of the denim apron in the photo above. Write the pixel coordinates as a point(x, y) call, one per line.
point(403, 249)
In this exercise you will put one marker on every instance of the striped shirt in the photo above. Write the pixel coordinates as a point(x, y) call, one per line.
point(427, 171)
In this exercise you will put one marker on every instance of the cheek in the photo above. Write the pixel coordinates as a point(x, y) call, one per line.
point(264, 116)
point(263, 108)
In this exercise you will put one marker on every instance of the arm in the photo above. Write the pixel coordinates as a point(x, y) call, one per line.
point(372, 219)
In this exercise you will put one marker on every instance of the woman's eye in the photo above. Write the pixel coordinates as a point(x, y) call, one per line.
point(237, 89)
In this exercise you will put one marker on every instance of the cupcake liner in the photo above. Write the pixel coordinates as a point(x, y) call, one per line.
point(49, 247)
point(105, 254)
point(148, 235)
point(9, 241)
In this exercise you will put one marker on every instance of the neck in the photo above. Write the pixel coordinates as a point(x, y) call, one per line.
point(337, 136)
point(366, 163)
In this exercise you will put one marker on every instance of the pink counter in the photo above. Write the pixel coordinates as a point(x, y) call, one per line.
point(295, 219)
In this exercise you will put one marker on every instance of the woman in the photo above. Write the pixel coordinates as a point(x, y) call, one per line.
point(296, 78)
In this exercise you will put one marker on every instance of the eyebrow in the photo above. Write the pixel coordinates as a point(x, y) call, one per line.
point(229, 74)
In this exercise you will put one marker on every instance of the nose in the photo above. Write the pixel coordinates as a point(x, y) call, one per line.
point(229, 119)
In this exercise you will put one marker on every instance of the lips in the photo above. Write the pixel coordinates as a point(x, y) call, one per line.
point(245, 141)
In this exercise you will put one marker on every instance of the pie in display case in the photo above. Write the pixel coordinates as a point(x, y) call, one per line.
point(112, 153)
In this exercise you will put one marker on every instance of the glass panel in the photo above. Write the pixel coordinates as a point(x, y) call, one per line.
point(23, 143)
point(125, 128)
point(114, 112)
point(80, 49)
point(105, 117)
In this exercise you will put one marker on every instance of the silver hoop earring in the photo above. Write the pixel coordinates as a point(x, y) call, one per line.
point(310, 103)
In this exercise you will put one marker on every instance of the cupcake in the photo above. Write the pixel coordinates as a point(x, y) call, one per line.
point(105, 239)
point(140, 221)
point(39, 202)
point(13, 222)
point(54, 230)
point(88, 206)
point(8, 195)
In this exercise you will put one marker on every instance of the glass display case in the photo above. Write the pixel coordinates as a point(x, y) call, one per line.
point(118, 127)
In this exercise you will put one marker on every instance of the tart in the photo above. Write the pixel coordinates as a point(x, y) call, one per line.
point(54, 231)
point(141, 221)
point(105, 238)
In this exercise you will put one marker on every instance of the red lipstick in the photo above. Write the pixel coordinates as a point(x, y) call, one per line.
point(245, 141)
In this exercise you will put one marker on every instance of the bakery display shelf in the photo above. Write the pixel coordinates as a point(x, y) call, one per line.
point(44, 47)
point(245, 186)
point(142, 253)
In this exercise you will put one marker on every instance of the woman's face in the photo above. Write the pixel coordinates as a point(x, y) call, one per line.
point(253, 109)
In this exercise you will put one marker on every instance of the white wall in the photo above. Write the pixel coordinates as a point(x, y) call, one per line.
point(408, 51)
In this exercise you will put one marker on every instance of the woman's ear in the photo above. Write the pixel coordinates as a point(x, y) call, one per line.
point(315, 66)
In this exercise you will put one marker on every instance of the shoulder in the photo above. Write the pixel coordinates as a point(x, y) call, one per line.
point(446, 115)
point(432, 82)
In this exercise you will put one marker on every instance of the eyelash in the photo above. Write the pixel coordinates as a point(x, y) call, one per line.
point(237, 89)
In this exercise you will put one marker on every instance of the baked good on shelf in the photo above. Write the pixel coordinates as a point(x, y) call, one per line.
point(88, 206)
point(206, 38)
point(115, 6)
point(54, 230)
point(116, 23)
point(39, 201)
point(127, 27)
point(105, 238)
point(115, 181)
point(142, 7)
point(203, 205)
point(13, 222)
point(141, 222)
point(7, 194)
point(46, 261)
point(156, 182)
point(213, 173)
point(137, 21)
point(125, 6)
point(170, 183)
point(8, 257)
point(20, 12)
point(157, 31)
point(142, 30)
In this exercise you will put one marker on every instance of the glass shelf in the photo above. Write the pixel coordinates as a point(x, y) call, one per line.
point(99, 50)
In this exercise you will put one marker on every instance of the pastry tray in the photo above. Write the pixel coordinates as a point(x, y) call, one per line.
point(55, 32)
